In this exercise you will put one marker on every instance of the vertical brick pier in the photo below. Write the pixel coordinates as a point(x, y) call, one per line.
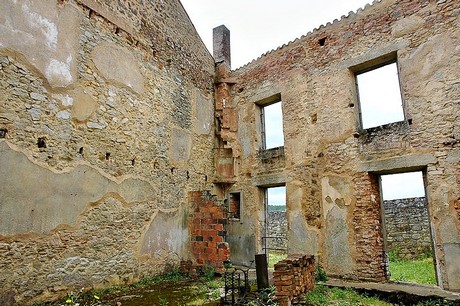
point(292, 277)
point(207, 230)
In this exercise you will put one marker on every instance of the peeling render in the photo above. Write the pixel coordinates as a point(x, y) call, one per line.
point(95, 164)
point(121, 140)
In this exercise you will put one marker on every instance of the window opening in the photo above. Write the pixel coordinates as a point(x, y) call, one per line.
point(272, 126)
point(408, 241)
point(276, 225)
point(380, 96)
point(234, 205)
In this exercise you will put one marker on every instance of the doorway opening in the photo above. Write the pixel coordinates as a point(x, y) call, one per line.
point(275, 239)
point(408, 240)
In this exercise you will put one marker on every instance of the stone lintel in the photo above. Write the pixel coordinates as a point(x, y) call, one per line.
point(374, 57)
point(109, 15)
point(270, 180)
point(398, 164)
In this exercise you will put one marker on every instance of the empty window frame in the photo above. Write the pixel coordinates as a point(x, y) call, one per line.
point(379, 95)
point(234, 205)
point(272, 125)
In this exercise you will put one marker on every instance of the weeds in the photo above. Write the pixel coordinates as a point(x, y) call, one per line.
point(323, 295)
point(208, 273)
point(275, 257)
point(420, 271)
point(320, 274)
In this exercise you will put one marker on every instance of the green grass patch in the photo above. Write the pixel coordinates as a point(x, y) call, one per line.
point(420, 271)
point(323, 295)
point(274, 257)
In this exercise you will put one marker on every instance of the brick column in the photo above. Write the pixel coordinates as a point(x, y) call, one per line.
point(207, 230)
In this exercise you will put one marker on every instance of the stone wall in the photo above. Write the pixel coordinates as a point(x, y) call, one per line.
point(330, 164)
point(407, 227)
point(106, 113)
point(277, 227)
point(107, 116)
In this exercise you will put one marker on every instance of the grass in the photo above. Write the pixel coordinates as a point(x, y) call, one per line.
point(206, 285)
point(274, 257)
point(420, 271)
point(323, 295)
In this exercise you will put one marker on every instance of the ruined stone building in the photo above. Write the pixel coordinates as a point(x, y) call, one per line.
point(126, 147)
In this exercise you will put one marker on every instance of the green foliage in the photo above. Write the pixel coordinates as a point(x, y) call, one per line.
point(274, 257)
point(437, 302)
point(420, 271)
point(276, 207)
point(163, 302)
point(81, 298)
point(323, 295)
point(209, 273)
point(170, 276)
point(320, 274)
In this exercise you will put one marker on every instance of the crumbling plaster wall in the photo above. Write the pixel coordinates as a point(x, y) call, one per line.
point(106, 119)
point(330, 165)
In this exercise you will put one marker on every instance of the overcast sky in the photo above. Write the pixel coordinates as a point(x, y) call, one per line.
point(258, 26)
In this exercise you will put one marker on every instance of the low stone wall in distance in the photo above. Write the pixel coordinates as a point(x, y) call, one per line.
point(407, 227)
point(277, 227)
point(293, 276)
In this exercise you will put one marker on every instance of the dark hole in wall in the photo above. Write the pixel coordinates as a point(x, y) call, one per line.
point(80, 151)
point(133, 161)
point(314, 118)
point(322, 41)
point(107, 156)
point(172, 170)
point(409, 121)
point(41, 143)
point(188, 175)
point(234, 205)
point(206, 178)
point(3, 132)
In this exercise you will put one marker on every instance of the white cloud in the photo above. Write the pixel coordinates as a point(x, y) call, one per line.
point(276, 195)
point(402, 185)
point(273, 126)
point(258, 26)
point(380, 96)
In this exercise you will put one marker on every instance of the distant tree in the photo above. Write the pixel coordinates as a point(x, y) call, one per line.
point(276, 207)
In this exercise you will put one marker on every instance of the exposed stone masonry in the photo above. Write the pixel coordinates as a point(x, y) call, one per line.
point(277, 227)
point(115, 122)
point(102, 122)
point(331, 165)
point(407, 227)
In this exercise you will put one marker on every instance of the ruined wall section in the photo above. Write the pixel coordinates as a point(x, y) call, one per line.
point(102, 136)
point(407, 227)
point(332, 191)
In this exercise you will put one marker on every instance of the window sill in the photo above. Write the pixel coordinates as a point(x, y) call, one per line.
point(271, 153)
